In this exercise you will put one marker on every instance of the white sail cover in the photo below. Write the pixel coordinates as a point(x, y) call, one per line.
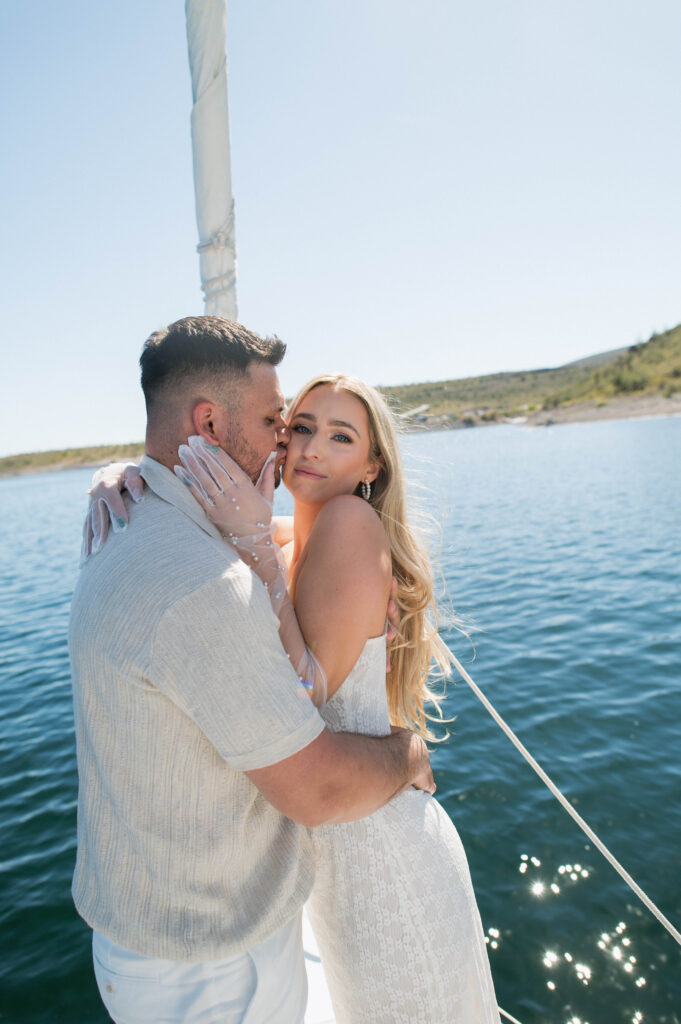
point(206, 39)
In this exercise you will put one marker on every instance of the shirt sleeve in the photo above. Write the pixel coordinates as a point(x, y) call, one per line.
point(217, 655)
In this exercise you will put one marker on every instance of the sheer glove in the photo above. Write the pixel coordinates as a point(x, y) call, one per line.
point(107, 506)
point(242, 512)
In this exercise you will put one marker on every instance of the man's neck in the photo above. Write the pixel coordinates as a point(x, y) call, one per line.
point(163, 450)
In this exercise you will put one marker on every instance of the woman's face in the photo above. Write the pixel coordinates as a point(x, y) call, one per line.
point(328, 450)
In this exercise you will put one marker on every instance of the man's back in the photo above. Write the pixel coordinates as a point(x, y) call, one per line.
point(180, 685)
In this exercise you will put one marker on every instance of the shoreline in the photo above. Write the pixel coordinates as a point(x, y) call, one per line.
point(624, 408)
point(59, 467)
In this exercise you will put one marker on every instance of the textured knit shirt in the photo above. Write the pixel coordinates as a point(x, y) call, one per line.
point(181, 685)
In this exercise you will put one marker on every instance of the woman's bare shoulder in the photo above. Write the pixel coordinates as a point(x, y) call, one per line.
point(350, 519)
point(348, 545)
point(342, 589)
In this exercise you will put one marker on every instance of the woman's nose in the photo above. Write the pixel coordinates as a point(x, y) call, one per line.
point(311, 447)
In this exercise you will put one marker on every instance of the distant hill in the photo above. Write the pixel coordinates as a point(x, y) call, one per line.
point(654, 365)
point(601, 357)
point(651, 367)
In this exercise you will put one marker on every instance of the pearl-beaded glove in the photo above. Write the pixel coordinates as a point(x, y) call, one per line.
point(242, 513)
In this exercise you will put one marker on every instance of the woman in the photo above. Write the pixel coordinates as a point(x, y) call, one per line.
point(392, 906)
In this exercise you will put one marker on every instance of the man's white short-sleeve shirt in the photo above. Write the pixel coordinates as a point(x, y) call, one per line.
point(180, 685)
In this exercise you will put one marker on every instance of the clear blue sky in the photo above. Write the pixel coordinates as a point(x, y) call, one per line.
point(423, 191)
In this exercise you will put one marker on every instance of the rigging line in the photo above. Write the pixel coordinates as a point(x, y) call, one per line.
point(508, 1016)
point(612, 860)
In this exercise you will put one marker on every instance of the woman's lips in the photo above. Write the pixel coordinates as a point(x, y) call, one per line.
point(309, 473)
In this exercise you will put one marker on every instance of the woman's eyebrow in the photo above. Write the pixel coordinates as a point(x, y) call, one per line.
point(342, 423)
point(333, 423)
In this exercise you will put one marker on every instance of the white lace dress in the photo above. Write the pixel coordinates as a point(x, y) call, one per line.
point(393, 908)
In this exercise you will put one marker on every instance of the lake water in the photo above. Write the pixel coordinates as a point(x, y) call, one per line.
point(563, 547)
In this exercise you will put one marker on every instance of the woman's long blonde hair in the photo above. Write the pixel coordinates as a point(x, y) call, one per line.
point(418, 653)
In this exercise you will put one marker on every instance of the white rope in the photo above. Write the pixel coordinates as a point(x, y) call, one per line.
point(223, 238)
point(213, 286)
point(647, 902)
point(508, 1016)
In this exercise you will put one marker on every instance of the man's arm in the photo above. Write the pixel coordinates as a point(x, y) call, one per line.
point(342, 776)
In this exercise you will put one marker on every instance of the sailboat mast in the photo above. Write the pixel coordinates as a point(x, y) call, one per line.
point(206, 40)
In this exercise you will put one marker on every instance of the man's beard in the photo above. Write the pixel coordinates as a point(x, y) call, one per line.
point(245, 456)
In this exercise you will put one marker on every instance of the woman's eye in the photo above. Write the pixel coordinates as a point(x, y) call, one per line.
point(300, 428)
point(342, 437)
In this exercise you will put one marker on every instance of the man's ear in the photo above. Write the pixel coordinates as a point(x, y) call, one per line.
point(203, 418)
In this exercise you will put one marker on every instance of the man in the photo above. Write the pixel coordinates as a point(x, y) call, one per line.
point(200, 766)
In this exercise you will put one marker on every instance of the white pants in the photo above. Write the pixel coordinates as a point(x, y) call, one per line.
point(265, 985)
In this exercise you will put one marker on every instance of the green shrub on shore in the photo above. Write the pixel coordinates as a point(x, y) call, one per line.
point(627, 380)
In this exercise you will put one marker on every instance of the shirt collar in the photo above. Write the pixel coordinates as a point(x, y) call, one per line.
point(167, 487)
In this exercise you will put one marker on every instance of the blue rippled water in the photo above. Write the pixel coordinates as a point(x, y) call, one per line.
point(562, 546)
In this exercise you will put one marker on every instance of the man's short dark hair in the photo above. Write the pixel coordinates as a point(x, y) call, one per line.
point(202, 344)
